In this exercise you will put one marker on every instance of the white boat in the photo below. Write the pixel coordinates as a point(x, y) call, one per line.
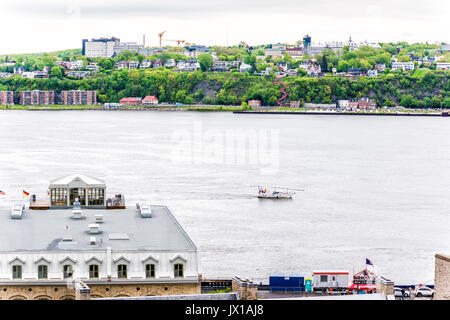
point(274, 193)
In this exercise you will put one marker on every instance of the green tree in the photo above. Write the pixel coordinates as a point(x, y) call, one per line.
point(205, 60)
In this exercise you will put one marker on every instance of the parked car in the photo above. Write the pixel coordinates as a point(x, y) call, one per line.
point(398, 292)
point(17, 211)
point(424, 292)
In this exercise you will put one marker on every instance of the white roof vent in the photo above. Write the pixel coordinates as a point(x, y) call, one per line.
point(94, 228)
point(99, 218)
point(17, 211)
point(67, 234)
point(92, 241)
point(144, 210)
point(77, 214)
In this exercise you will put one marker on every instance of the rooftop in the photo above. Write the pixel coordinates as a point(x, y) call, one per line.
point(44, 231)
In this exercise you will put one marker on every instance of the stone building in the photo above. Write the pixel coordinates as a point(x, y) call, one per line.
point(442, 277)
point(116, 253)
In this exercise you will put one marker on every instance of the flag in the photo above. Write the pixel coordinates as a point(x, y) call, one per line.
point(26, 193)
point(2, 192)
point(368, 262)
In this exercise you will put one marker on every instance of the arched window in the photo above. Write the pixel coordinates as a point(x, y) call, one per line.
point(122, 271)
point(178, 270)
point(93, 271)
point(17, 272)
point(42, 272)
point(67, 271)
point(150, 270)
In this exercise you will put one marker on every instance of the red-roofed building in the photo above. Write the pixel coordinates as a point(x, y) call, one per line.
point(130, 101)
point(152, 100)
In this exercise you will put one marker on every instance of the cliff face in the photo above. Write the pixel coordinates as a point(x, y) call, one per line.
point(232, 88)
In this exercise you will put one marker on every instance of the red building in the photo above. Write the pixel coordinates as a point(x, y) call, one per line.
point(131, 101)
point(6, 97)
point(254, 103)
point(364, 280)
point(80, 97)
point(152, 100)
point(37, 97)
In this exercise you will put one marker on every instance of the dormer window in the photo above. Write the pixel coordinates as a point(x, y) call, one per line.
point(67, 271)
point(150, 270)
point(122, 271)
point(42, 272)
point(178, 270)
point(17, 272)
point(93, 271)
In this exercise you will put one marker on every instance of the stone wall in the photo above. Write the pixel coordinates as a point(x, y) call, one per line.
point(52, 292)
point(442, 277)
point(246, 289)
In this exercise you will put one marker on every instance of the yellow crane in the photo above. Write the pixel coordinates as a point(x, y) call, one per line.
point(160, 38)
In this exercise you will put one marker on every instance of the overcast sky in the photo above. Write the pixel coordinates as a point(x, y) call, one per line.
point(46, 25)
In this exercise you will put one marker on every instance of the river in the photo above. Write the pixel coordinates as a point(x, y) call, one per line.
point(375, 187)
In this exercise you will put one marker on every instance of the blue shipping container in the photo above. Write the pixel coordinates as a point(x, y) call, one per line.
point(287, 283)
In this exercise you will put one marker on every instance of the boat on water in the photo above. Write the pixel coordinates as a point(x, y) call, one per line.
point(275, 193)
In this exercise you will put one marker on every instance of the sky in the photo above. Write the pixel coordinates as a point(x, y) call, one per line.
point(47, 25)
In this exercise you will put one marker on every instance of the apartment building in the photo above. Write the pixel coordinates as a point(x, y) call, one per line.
point(79, 97)
point(6, 97)
point(37, 97)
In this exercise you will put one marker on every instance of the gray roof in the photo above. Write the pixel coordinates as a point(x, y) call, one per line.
point(43, 230)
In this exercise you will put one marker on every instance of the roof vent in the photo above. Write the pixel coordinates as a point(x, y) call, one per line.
point(92, 241)
point(67, 234)
point(76, 211)
point(94, 228)
point(144, 210)
point(99, 218)
point(17, 211)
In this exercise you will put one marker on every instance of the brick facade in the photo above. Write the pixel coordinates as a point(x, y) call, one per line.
point(79, 97)
point(37, 97)
point(6, 97)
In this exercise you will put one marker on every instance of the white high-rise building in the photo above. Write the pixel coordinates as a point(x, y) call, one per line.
point(103, 47)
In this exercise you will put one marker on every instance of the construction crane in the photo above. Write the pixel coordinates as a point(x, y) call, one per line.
point(177, 41)
point(160, 38)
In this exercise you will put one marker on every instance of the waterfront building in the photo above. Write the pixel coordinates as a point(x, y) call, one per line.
point(343, 104)
point(131, 101)
point(6, 97)
point(294, 104)
point(366, 103)
point(37, 97)
point(117, 253)
point(102, 47)
point(79, 97)
point(150, 100)
point(326, 279)
point(254, 103)
point(402, 65)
